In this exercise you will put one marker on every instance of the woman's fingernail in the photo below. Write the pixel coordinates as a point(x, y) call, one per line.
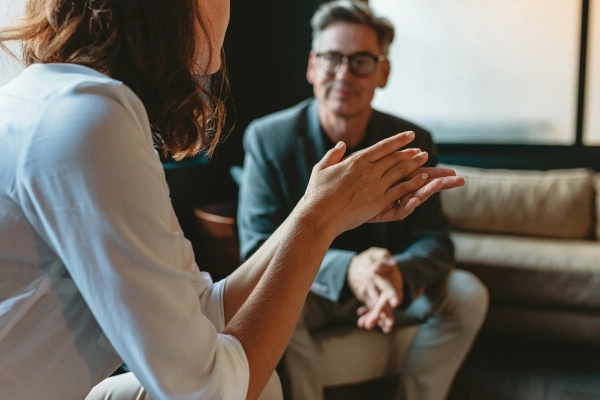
point(410, 134)
point(339, 144)
point(424, 176)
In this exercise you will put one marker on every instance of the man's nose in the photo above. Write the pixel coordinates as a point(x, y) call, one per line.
point(343, 71)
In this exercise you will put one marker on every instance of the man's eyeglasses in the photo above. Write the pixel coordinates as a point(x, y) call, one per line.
point(361, 64)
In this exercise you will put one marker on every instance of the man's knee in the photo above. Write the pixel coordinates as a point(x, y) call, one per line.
point(119, 387)
point(469, 298)
point(272, 390)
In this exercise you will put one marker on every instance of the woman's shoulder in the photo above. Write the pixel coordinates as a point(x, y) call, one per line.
point(70, 89)
point(81, 116)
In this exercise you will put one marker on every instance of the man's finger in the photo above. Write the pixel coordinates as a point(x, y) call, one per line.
point(386, 323)
point(386, 289)
point(362, 310)
point(393, 275)
point(373, 316)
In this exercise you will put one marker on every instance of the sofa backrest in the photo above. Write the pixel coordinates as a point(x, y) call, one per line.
point(557, 203)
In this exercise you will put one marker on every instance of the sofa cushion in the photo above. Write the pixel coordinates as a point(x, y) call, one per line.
point(537, 272)
point(556, 203)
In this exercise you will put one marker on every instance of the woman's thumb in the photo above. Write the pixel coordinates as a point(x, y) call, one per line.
point(333, 156)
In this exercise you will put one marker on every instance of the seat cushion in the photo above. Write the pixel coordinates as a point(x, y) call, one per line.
point(529, 271)
point(558, 203)
point(352, 355)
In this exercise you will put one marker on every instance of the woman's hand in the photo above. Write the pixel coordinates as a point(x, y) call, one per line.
point(438, 179)
point(364, 186)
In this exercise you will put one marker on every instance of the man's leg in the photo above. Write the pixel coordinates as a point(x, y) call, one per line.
point(302, 357)
point(127, 387)
point(452, 314)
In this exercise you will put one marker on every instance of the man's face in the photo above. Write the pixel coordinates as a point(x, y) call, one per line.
point(343, 93)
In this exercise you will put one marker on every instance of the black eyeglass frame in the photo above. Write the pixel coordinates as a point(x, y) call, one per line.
point(349, 58)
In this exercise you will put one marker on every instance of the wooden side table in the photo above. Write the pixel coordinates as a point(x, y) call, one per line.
point(218, 233)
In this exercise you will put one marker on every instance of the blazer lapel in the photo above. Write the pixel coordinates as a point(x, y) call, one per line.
point(309, 140)
point(375, 133)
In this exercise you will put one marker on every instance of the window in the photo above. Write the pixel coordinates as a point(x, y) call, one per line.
point(591, 127)
point(487, 72)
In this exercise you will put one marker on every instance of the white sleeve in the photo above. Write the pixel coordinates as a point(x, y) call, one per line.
point(92, 186)
point(211, 303)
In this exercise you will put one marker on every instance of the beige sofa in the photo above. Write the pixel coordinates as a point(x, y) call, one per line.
point(532, 238)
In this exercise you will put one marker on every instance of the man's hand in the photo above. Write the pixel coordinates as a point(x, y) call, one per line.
point(375, 279)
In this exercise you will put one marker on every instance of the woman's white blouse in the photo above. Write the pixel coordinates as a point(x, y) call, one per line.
point(94, 269)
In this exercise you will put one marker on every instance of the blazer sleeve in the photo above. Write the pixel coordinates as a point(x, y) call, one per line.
point(265, 202)
point(261, 206)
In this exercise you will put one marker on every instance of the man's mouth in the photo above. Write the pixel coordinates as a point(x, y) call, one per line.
point(341, 92)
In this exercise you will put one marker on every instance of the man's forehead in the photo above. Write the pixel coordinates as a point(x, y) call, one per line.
point(347, 38)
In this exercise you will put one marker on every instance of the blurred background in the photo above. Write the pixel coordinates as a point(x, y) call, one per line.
point(512, 84)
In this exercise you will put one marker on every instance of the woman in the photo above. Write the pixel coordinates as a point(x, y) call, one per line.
point(94, 269)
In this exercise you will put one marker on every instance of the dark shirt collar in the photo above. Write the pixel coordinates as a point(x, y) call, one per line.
point(322, 141)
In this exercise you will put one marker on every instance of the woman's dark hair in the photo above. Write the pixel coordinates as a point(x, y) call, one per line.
point(150, 45)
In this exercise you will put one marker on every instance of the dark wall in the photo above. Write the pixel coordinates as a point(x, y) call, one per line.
point(266, 48)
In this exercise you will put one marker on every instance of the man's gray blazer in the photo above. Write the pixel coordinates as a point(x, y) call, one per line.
point(281, 150)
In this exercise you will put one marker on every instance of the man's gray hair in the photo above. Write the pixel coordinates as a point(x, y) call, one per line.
point(356, 12)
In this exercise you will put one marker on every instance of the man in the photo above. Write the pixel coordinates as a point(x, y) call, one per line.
point(391, 275)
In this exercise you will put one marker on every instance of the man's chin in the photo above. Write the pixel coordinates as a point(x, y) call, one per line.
point(343, 109)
